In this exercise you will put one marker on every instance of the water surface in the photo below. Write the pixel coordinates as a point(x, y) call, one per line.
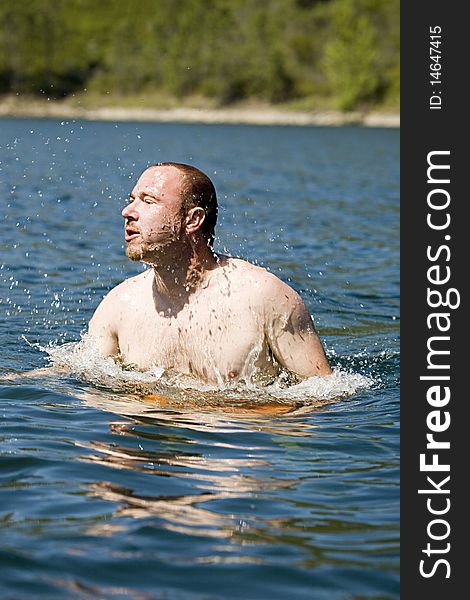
point(105, 494)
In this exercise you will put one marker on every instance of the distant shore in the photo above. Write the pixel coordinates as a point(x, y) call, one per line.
point(250, 115)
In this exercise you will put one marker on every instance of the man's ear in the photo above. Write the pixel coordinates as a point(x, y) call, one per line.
point(194, 219)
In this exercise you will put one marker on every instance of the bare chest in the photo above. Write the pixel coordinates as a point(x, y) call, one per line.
point(207, 338)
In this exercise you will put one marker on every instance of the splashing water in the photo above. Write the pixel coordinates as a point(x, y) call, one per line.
point(83, 360)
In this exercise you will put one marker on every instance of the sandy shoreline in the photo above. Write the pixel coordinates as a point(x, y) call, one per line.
point(249, 116)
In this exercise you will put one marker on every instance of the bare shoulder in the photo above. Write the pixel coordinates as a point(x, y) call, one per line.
point(289, 327)
point(127, 288)
point(105, 322)
point(258, 280)
point(243, 270)
point(237, 268)
point(125, 294)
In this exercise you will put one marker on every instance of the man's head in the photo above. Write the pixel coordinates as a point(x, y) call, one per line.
point(170, 203)
point(197, 190)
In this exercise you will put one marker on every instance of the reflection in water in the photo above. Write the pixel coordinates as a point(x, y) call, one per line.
point(178, 513)
point(83, 590)
point(123, 457)
point(219, 416)
point(219, 478)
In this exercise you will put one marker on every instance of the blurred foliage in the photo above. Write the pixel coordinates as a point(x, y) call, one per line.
point(344, 51)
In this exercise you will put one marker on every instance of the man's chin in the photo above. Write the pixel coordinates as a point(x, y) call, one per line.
point(135, 252)
point(139, 253)
point(162, 252)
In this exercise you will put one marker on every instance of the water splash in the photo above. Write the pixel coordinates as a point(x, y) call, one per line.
point(83, 360)
point(340, 384)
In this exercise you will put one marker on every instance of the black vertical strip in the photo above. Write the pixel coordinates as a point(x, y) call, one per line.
point(434, 269)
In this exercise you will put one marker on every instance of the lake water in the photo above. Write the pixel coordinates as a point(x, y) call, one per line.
point(105, 494)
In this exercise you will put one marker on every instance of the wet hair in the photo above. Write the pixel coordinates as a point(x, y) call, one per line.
point(197, 190)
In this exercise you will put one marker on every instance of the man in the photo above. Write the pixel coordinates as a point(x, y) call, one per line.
point(217, 318)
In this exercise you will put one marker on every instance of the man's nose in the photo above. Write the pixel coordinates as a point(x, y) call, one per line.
point(130, 211)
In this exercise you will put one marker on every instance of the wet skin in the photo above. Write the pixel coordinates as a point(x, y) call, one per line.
point(216, 318)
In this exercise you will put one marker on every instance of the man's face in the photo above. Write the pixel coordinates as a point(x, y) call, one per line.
point(153, 216)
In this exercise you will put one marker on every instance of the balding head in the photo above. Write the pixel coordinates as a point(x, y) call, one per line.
point(197, 190)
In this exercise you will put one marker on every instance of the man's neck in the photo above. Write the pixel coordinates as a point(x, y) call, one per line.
point(175, 281)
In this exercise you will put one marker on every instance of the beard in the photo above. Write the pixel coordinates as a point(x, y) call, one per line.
point(162, 249)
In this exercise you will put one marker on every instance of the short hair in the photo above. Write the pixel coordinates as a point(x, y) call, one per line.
point(197, 190)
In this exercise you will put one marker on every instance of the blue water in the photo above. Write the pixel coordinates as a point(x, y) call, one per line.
point(107, 495)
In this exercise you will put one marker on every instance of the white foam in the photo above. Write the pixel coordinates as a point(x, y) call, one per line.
point(83, 359)
point(339, 384)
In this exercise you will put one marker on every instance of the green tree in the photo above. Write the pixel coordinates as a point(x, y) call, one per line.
point(341, 51)
point(350, 59)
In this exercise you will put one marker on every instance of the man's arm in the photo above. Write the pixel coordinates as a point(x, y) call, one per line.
point(292, 335)
point(101, 330)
